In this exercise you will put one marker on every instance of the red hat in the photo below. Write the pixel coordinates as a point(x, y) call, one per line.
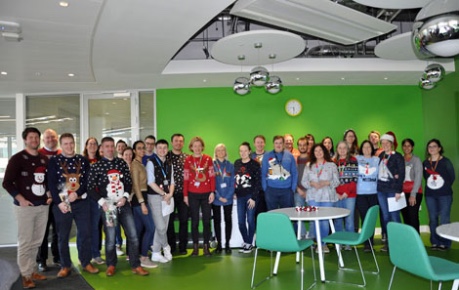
point(395, 139)
point(113, 171)
point(40, 169)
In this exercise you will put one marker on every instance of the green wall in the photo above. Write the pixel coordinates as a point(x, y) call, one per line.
point(218, 115)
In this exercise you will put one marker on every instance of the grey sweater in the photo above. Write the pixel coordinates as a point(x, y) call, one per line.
point(414, 168)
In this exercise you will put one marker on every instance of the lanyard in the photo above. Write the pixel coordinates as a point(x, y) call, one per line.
point(222, 174)
point(277, 159)
point(319, 172)
point(162, 166)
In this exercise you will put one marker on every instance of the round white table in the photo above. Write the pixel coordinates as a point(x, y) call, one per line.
point(451, 232)
point(323, 213)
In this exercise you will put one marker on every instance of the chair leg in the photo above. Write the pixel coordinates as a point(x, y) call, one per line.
point(313, 269)
point(392, 277)
point(374, 258)
point(252, 284)
point(360, 266)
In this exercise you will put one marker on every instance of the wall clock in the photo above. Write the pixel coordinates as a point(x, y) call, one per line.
point(293, 107)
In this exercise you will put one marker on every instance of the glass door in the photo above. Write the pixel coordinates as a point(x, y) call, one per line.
point(8, 147)
point(111, 114)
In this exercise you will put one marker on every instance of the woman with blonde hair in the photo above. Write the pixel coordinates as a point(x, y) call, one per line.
point(224, 192)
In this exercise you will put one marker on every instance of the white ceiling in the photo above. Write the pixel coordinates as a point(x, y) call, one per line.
point(120, 45)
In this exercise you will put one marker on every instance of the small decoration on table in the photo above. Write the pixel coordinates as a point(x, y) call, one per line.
point(307, 208)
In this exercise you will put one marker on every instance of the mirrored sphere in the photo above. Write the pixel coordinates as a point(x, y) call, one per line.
point(259, 76)
point(241, 86)
point(434, 72)
point(438, 36)
point(274, 85)
point(426, 84)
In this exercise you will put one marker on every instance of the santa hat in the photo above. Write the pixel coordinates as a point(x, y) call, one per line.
point(390, 136)
point(113, 171)
point(40, 170)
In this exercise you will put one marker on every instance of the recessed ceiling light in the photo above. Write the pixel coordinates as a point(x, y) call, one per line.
point(63, 3)
point(71, 75)
point(38, 74)
point(4, 73)
point(386, 78)
point(297, 79)
point(343, 79)
point(204, 80)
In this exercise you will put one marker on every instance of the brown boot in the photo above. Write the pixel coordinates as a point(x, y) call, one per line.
point(27, 283)
point(195, 252)
point(207, 250)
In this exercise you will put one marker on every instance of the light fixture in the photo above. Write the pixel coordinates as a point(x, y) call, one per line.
point(436, 29)
point(10, 31)
point(241, 86)
point(3, 73)
point(71, 74)
point(434, 72)
point(63, 3)
point(426, 84)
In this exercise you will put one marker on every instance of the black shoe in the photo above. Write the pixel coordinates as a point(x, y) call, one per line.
point(182, 252)
point(228, 250)
point(218, 250)
point(367, 249)
point(434, 247)
point(442, 248)
point(385, 248)
point(42, 267)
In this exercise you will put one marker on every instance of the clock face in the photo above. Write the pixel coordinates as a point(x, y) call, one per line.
point(293, 107)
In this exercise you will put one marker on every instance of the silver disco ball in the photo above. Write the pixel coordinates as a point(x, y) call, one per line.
point(259, 76)
point(434, 72)
point(426, 84)
point(274, 85)
point(437, 36)
point(241, 86)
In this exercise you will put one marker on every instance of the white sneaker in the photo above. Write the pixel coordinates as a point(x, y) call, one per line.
point(157, 257)
point(325, 249)
point(118, 251)
point(147, 263)
point(348, 248)
point(98, 260)
point(241, 250)
point(167, 252)
point(247, 249)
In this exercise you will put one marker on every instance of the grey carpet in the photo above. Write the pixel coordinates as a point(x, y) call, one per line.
point(11, 280)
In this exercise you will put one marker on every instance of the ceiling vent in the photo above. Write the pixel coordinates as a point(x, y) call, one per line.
point(320, 18)
point(10, 31)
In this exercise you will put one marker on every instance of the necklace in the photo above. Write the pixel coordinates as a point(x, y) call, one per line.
point(319, 169)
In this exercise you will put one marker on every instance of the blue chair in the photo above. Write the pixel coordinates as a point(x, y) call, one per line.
point(408, 253)
point(355, 239)
point(275, 233)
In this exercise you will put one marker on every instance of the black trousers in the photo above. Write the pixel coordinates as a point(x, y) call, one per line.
point(410, 213)
point(227, 211)
point(200, 201)
point(182, 211)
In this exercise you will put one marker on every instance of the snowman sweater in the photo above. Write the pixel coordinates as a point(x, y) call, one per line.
point(20, 177)
point(98, 179)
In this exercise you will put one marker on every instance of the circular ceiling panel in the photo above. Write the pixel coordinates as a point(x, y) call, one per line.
point(258, 47)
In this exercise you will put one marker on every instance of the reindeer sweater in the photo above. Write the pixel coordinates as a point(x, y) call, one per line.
point(58, 166)
point(102, 175)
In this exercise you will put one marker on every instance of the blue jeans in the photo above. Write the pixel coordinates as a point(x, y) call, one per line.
point(80, 213)
point(243, 214)
point(386, 215)
point(126, 219)
point(278, 198)
point(324, 224)
point(95, 229)
point(300, 201)
point(348, 203)
point(145, 229)
point(439, 208)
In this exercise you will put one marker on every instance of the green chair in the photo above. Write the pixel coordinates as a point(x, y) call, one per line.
point(408, 253)
point(355, 239)
point(275, 233)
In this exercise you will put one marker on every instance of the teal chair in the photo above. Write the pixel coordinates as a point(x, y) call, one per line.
point(355, 239)
point(408, 253)
point(275, 234)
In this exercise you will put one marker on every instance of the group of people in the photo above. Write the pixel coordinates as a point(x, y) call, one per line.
point(144, 188)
